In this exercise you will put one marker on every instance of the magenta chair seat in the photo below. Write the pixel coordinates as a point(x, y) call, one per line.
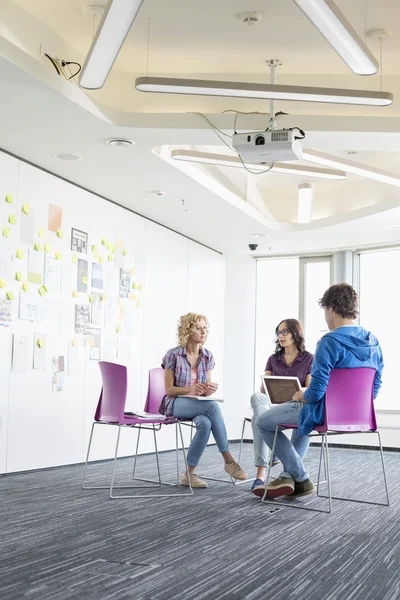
point(349, 408)
point(111, 411)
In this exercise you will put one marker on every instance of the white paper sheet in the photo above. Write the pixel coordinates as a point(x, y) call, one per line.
point(109, 310)
point(6, 265)
point(39, 354)
point(6, 311)
point(97, 308)
point(52, 274)
point(35, 267)
point(20, 351)
point(28, 228)
point(109, 347)
point(73, 359)
point(50, 310)
point(57, 373)
point(95, 344)
point(30, 307)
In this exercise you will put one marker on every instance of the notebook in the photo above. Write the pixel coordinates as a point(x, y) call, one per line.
point(280, 389)
point(202, 398)
point(140, 414)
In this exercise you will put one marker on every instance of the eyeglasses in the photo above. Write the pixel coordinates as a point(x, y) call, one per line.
point(282, 332)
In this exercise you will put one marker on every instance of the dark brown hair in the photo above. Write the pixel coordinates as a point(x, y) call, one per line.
point(342, 298)
point(296, 330)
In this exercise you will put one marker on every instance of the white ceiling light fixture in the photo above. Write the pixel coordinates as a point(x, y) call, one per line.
point(338, 32)
point(304, 203)
point(120, 143)
point(223, 160)
point(261, 91)
point(335, 162)
point(68, 157)
point(110, 36)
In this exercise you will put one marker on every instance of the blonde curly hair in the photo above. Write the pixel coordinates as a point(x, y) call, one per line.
point(187, 325)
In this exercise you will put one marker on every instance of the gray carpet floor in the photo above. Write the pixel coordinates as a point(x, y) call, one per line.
point(59, 542)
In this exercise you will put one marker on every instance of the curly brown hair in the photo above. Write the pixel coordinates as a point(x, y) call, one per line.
point(187, 325)
point(342, 298)
point(296, 330)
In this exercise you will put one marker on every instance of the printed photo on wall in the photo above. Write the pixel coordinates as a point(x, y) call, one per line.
point(82, 319)
point(54, 222)
point(57, 376)
point(95, 344)
point(79, 241)
point(5, 312)
point(124, 283)
point(82, 276)
point(97, 276)
point(97, 310)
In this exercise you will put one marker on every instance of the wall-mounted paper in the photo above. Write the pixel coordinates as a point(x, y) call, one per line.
point(97, 276)
point(5, 264)
point(109, 347)
point(111, 280)
point(118, 256)
point(95, 347)
point(20, 352)
point(97, 307)
point(55, 218)
point(28, 228)
point(82, 275)
point(82, 319)
point(79, 241)
point(109, 310)
point(29, 307)
point(124, 283)
point(52, 274)
point(5, 312)
point(50, 310)
point(35, 267)
point(57, 371)
point(39, 351)
point(123, 350)
point(73, 359)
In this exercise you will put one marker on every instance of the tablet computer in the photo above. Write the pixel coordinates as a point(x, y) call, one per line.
point(280, 389)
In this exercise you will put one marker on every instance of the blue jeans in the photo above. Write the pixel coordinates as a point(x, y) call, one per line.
point(289, 452)
point(207, 417)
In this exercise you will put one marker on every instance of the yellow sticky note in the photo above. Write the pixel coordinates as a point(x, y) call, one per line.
point(41, 232)
point(10, 296)
point(12, 219)
point(73, 342)
point(132, 297)
point(94, 249)
point(74, 259)
point(26, 209)
point(75, 294)
point(102, 297)
point(109, 246)
point(47, 247)
point(9, 198)
point(101, 259)
point(3, 283)
point(58, 256)
point(60, 233)
point(124, 251)
point(104, 241)
point(40, 343)
point(113, 249)
point(6, 232)
point(137, 303)
point(132, 271)
point(110, 257)
point(19, 253)
point(37, 247)
point(91, 297)
point(118, 329)
point(84, 279)
point(18, 276)
point(25, 287)
point(120, 242)
point(90, 341)
point(122, 308)
point(95, 257)
point(140, 287)
point(42, 290)
point(134, 285)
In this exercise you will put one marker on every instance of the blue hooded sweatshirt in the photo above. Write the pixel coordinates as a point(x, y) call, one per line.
point(344, 348)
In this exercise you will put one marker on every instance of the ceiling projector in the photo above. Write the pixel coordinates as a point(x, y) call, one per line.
point(266, 147)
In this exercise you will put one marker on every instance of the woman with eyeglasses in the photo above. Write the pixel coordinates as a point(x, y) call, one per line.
point(290, 359)
point(188, 372)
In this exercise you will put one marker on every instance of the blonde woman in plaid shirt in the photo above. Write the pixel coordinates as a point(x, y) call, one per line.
point(188, 372)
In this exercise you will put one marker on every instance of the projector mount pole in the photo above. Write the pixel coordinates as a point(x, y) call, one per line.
point(273, 63)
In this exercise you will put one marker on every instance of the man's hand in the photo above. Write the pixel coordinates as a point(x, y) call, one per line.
point(298, 396)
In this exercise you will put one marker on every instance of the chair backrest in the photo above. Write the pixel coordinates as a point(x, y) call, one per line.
point(112, 399)
point(155, 391)
point(349, 400)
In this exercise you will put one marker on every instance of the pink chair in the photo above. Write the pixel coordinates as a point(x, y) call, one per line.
point(349, 408)
point(111, 411)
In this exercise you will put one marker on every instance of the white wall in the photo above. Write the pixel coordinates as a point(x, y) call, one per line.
point(41, 428)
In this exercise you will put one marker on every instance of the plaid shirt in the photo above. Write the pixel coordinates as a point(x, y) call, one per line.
point(176, 360)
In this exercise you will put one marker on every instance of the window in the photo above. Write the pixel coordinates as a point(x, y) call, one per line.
point(314, 280)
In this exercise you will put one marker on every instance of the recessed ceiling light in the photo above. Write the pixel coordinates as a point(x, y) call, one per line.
point(257, 235)
point(391, 227)
point(67, 156)
point(121, 143)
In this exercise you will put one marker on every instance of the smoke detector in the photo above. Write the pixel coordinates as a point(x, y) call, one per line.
point(120, 143)
point(250, 19)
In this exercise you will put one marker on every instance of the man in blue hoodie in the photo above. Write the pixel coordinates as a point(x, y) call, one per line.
point(346, 346)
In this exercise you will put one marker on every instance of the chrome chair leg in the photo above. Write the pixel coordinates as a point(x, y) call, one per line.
point(87, 457)
point(136, 452)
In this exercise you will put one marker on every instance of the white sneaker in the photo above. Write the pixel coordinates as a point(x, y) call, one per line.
point(195, 481)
